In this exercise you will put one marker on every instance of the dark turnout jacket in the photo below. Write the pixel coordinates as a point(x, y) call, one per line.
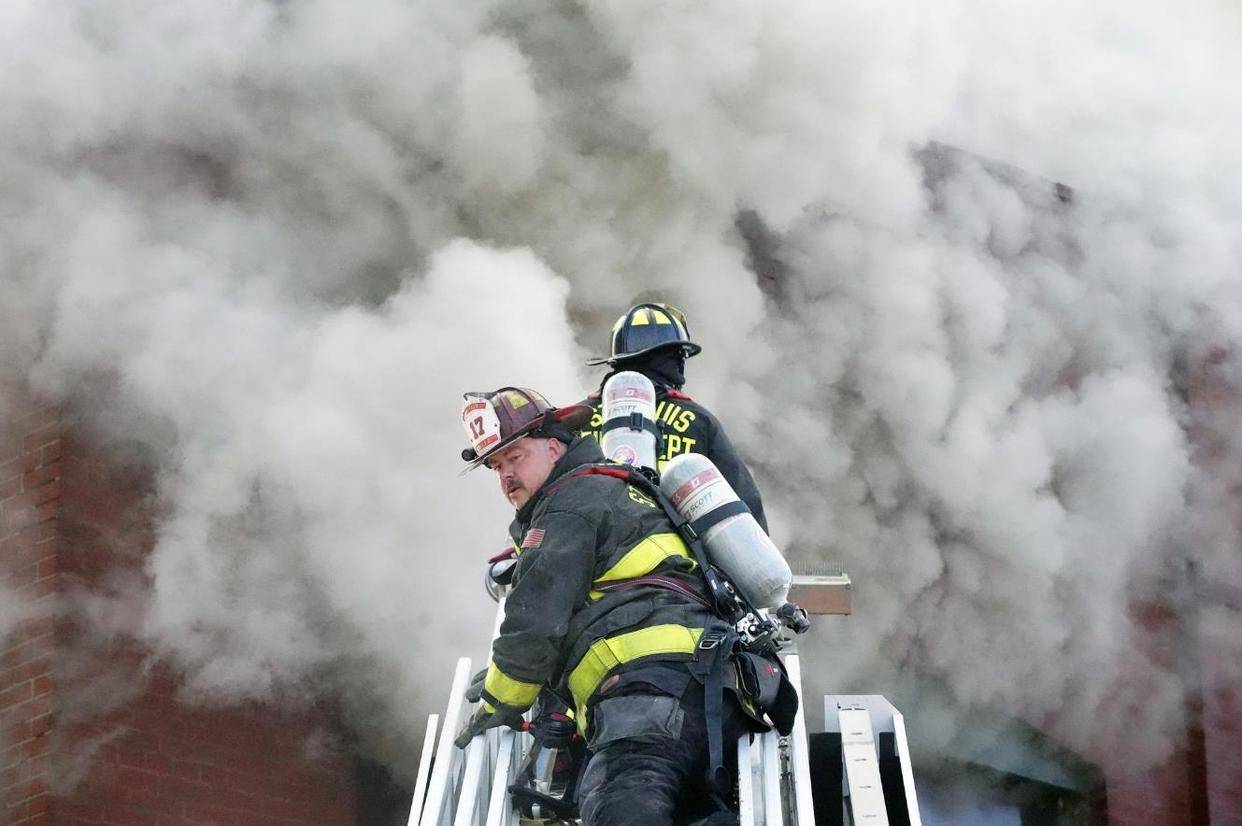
point(575, 618)
point(688, 427)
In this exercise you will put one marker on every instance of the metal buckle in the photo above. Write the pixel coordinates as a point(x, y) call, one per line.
point(710, 640)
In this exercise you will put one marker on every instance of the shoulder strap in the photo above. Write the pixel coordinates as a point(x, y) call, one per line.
point(727, 602)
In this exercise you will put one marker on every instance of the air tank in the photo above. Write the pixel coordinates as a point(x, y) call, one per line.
point(736, 544)
point(626, 394)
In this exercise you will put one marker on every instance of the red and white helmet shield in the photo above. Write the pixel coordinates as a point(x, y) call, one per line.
point(482, 426)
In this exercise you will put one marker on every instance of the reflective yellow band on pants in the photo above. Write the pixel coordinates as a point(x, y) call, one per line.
point(507, 690)
point(644, 558)
point(606, 654)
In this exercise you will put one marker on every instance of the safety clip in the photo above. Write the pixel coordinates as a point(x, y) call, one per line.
point(710, 640)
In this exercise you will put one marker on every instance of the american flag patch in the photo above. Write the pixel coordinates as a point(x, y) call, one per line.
point(533, 538)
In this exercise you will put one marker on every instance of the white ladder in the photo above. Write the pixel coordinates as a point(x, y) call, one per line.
point(470, 787)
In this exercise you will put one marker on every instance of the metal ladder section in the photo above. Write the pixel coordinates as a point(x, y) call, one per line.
point(859, 718)
point(470, 787)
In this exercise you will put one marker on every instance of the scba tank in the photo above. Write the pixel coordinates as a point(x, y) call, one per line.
point(629, 403)
point(736, 543)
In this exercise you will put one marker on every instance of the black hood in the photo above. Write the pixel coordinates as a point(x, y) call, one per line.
point(666, 368)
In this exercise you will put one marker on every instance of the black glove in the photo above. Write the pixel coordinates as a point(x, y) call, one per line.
point(482, 720)
point(474, 691)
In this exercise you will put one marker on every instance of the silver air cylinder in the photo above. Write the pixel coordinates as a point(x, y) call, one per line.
point(736, 544)
point(625, 395)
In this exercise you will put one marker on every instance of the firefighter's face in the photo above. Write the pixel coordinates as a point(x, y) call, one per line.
point(524, 466)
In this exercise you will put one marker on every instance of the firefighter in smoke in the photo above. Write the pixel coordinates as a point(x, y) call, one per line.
point(606, 608)
point(653, 339)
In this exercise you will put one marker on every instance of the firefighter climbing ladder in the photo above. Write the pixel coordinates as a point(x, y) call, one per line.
point(783, 787)
point(470, 787)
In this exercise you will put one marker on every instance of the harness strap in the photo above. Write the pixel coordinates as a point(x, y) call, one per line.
point(667, 583)
point(723, 598)
point(714, 650)
point(634, 421)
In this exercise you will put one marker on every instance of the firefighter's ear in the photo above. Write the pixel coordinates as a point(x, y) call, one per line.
point(556, 449)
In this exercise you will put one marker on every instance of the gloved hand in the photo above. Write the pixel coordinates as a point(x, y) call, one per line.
point(482, 720)
point(474, 691)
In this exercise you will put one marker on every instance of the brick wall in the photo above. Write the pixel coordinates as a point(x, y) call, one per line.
point(159, 761)
point(91, 730)
point(1216, 428)
point(1159, 797)
point(30, 452)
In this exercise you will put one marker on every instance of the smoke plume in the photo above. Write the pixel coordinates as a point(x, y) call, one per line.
point(274, 243)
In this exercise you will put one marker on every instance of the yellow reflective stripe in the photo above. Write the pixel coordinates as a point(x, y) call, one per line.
point(643, 558)
point(640, 318)
point(507, 690)
point(660, 317)
point(606, 654)
point(517, 549)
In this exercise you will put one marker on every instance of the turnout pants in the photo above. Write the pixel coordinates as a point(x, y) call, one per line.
point(649, 761)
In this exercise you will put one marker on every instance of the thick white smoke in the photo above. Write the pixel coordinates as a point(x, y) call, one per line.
point(274, 242)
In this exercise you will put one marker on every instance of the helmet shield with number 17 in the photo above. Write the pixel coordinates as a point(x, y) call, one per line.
point(498, 419)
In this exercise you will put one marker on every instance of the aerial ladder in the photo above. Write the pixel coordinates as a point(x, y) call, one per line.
point(856, 772)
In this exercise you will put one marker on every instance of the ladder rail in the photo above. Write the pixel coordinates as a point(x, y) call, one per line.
point(424, 770)
point(907, 772)
point(448, 760)
point(468, 801)
point(745, 783)
point(499, 797)
point(799, 752)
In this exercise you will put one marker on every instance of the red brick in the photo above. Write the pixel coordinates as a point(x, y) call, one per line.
point(27, 537)
point(52, 451)
point(39, 417)
point(13, 695)
point(43, 587)
point(47, 492)
point(29, 461)
point(30, 788)
point(41, 475)
point(23, 576)
point(26, 499)
point(23, 652)
point(35, 440)
point(39, 626)
point(47, 566)
point(31, 808)
point(26, 671)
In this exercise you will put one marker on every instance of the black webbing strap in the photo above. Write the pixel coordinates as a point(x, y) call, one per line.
point(634, 421)
point(713, 652)
point(717, 515)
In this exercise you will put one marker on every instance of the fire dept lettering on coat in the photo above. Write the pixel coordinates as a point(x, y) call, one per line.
point(673, 421)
